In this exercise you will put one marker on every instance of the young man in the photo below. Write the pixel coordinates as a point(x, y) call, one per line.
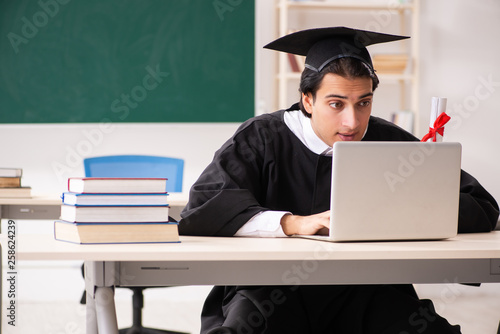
point(272, 179)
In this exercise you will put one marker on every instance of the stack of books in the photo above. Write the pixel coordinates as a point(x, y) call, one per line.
point(115, 210)
point(10, 183)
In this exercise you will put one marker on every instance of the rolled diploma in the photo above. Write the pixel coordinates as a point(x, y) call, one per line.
point(438, 106)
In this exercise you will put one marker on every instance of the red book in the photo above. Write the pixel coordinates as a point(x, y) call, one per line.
point(116, 185)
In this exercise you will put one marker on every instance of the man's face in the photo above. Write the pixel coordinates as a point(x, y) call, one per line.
point(341, 109)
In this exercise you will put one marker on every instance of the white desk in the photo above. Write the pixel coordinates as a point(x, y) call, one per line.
point(468, 258)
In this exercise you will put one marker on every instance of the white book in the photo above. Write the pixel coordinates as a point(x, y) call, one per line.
point(114, 214)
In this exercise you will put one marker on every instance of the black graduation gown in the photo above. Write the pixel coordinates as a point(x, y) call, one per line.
point(264, 166)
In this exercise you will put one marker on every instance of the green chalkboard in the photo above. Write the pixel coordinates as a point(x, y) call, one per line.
point(74, 61)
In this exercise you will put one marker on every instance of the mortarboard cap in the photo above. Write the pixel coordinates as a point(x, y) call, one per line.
point(322, 45)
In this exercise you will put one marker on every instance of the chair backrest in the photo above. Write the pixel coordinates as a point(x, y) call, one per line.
point(137, 166)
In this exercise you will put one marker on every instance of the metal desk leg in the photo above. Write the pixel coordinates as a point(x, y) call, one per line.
point(91, 317)
point(101, 313)
point(105, 310)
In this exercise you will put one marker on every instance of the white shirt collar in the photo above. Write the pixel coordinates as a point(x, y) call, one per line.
point(301, 126)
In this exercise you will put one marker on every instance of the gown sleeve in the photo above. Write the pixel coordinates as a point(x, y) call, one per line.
point(478, 210)
point(224, 197)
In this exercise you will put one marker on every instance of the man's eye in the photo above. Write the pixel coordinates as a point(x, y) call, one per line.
point(336, 105)
point(365, 103)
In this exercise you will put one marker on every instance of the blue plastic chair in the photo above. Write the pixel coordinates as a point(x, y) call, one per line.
point(137, 166)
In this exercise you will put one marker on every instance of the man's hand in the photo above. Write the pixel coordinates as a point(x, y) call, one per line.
point(306, 225)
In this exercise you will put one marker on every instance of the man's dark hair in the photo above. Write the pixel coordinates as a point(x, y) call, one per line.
point(348, 67)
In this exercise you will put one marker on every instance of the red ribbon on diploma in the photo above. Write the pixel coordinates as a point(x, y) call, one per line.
point(438, 127)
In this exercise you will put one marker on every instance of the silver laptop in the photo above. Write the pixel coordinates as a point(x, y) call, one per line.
point(394, 191)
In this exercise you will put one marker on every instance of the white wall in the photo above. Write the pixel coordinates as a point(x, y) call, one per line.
point(50, 153)
point(459, 53)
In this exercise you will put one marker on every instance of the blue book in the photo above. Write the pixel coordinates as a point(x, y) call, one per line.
point(95, 199)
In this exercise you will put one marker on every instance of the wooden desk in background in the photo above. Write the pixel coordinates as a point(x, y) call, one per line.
point(467, 258)
point(36, 207)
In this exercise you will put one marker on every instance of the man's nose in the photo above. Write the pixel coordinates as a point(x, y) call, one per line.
point(349, 118)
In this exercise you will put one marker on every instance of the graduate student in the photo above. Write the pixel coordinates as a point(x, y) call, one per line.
point(272, 179)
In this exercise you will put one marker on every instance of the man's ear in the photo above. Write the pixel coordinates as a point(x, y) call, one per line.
point(307, 102)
